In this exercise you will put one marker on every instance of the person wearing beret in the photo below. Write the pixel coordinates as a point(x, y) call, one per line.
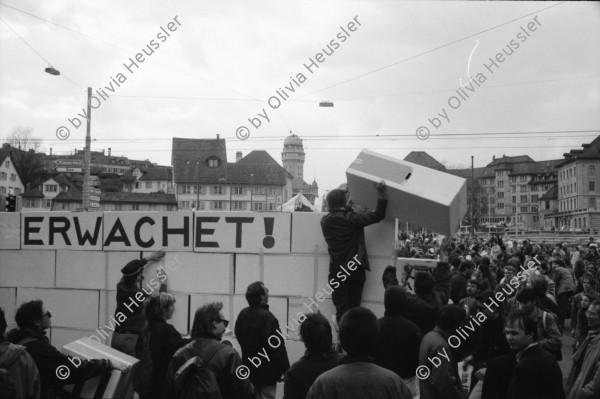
point(129, 317)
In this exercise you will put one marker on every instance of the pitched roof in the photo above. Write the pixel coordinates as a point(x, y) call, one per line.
point(190, 164)
point(189, 159)
point(258, 167)
point(589, 151)
point(158, 173)
point(551, 194)
point(467, 173)
point(121, 197)
point(424, 159)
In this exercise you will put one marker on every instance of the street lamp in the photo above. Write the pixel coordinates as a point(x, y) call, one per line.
point(86, 152)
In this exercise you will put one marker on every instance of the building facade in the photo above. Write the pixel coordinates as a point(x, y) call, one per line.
point(204, 180)
point(10, 182)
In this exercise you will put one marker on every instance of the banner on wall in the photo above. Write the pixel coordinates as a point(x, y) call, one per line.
point(243, 232)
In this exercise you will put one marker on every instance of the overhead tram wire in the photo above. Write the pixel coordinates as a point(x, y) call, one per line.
point(37, 52)
point(429, 51)
point(566, 134)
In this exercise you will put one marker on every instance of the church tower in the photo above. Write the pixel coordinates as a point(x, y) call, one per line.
point(292, 156)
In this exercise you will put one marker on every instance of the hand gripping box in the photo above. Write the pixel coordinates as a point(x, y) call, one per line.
point(416, 194)
point(118, 385)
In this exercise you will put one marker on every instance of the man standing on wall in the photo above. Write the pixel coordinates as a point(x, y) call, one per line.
point(344, 232)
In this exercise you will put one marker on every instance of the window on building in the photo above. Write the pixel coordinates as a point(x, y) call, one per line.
point(148, 184)
point(591, 171)
point(575, 187)
point(547, 205)
point(500, 205)
point(7, 164)
point(212, 162)
point(217, 205)
point(534, 198)
point(536, 218)
point(501, 194)
point(17, 191)
point(3, 190)
point(185, 189)
point(592, 202)
point(238, 191)
point(217, 190)
point(118, 207)
point(534, 208)
point(51, 188)
point(500, 183)
point(48, 203)
point(523, 199)
point(524, 209)
point(2, 175)
point(514, 199)
point(184, 204)
point(258, 206)
point(238, 205)
point(592, 186)
point(13, 177)
point(30, 203)
point(136, 207)
point(271, 206)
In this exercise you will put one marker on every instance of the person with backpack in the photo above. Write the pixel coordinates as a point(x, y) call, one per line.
point(156, 346)
point(549, 338)
point(207, 368)
point(56, 369)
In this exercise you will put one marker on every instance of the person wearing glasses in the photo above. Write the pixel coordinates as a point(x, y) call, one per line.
point(584, 379)
point(254, 328)
point(220, 358)
point(33, 319)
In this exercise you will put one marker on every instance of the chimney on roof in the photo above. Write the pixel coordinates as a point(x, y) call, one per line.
point(50, 151)
point(238, 156)
point(217, 136)
point(109, 151)
point(493, 157)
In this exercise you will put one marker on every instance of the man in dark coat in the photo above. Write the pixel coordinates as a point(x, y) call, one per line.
point(254, 328)
point(319, 357)
point(431, 293)
point(398, 340)
point(458, 283)
point(536, 374)
point(344, 232)
point(33, 320)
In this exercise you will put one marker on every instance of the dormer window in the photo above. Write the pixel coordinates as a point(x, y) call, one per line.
point(213, 162)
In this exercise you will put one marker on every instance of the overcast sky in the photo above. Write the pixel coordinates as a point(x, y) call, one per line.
point(400, 66)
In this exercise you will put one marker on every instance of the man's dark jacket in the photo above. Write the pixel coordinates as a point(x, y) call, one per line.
point(344, 232)
point(47, 359)
point(305, 371)
point(253, 327)
point(164, 342)
point(398, 342)
point(536, 375)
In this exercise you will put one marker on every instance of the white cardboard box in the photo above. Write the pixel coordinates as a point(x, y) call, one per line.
point(428, 198)
point(123, 365)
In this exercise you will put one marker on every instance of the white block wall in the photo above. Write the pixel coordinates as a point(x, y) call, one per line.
point(78, 286)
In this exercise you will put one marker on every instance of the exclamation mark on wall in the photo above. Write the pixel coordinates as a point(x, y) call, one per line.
point(269, 241)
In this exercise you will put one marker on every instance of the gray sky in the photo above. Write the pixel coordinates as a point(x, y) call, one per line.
point(398, 68)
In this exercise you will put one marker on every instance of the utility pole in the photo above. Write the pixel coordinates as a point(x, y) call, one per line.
point(472, 190)
point(86, 155)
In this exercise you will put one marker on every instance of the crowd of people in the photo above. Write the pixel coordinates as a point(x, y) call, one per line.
point(498, 306)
